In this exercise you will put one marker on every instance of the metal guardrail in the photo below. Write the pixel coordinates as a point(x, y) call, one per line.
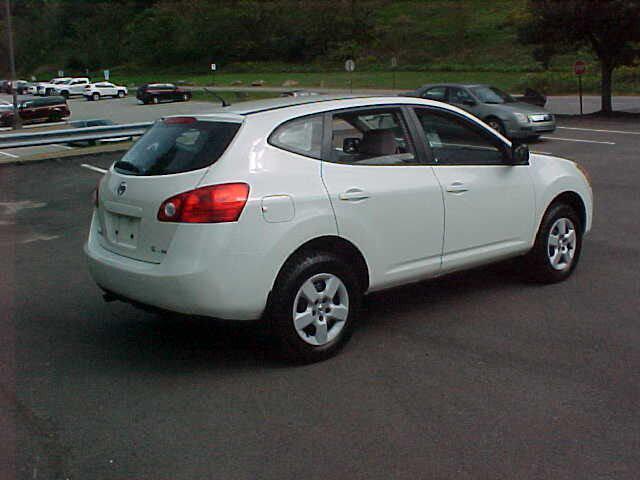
point(73, 135)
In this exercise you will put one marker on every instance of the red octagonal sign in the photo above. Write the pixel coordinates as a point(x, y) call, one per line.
point(579, 68)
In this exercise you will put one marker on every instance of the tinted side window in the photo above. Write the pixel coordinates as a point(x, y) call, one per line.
point(459, 95)
point(371, 137)
point(454, 141)
point(435, 93)
point(302, 135)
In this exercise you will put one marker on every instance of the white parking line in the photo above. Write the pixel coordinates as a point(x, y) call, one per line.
point(11, 155)
point(577, 140)
point(61, 146)
point(93, 169)
point(598, 130)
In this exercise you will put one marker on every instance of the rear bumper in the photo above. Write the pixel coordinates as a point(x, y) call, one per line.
point(191, 280)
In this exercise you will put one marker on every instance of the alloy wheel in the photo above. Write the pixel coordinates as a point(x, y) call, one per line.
point(561, 245)
point(320, 309)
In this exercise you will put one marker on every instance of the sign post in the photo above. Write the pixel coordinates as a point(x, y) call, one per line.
point(214, 67)
point(60, 73)
point(580, 68)
point(394, 65)
point(350, 66)
point(107, 74)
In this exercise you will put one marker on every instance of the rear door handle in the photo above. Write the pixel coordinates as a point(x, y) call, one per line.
point(457, 187)
point(353, 195)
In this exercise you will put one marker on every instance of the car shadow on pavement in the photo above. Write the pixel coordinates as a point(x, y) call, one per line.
point(380, 307)
point(179, 343)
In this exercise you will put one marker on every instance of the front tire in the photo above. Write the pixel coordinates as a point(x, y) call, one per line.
point(155, 100)
point(497, 125)
point(558, 244)
point(95, 97)
point(313, 306)
point(120, 93)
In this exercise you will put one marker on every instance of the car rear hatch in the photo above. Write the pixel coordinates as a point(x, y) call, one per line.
point(171, 158)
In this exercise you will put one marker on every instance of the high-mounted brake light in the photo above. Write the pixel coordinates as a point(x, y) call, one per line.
point(179, 120)
point(212, 204)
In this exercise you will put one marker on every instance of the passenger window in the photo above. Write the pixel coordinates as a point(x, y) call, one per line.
point(435, 93)
point(459, 95)
point(455, 141)
point(371, 137)
point(302, 135)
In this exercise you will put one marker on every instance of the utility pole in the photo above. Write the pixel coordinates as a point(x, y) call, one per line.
point(16, 117)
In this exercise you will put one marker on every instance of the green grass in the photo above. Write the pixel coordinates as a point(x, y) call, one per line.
point(626, 81)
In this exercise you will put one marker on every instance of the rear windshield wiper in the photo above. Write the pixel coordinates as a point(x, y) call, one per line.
point(124, 165)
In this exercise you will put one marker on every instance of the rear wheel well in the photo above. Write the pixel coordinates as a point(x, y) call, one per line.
point(574, 201)
point(338, 246)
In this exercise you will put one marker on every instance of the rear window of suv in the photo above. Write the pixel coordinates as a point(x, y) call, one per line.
point(177, 145)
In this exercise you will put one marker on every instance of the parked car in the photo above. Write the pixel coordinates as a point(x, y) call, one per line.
point(31, 110)
point(292, 209)
point(47, 88)
point(95, 91)
point(512, 118)
point(162, 92)
point(21, 87)
point(4, 86)
point(75, 86)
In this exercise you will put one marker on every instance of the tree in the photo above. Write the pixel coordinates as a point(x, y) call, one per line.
point(611, 28)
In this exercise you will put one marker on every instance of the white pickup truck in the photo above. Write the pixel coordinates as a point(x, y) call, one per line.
point(74, 86)
point(46, 88)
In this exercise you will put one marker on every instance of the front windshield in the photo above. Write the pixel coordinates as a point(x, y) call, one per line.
point(492, 95)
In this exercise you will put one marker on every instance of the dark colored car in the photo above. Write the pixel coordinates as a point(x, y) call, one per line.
point(31, 110)
point(5, 86)
point(162, 92)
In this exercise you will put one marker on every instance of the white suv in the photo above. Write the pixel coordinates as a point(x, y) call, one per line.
point(75, 86)
point(292, 209)
point(95, 91)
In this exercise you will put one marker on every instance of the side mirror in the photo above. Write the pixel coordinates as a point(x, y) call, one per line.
point(519, 154)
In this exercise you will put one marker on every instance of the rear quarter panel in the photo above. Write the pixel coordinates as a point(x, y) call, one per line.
point(262, 246)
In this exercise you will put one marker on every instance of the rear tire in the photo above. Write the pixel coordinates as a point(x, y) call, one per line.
point(54, 117)
point(185, 97)
point(557, 248)
point(95, 97)
point(310, 324)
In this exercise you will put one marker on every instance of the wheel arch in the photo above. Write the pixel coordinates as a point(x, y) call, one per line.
point(574, 200)
point(339, 246)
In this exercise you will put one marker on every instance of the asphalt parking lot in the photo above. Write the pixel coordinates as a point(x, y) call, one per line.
point(472, 376)
point(127, 110)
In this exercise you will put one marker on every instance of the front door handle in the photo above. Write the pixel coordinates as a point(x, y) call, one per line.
point(457, 187)
point(353, 195)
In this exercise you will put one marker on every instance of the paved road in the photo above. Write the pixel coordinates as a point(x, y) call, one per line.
point(472, 376)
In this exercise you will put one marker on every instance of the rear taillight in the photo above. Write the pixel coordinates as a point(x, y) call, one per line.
point(212, 204)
